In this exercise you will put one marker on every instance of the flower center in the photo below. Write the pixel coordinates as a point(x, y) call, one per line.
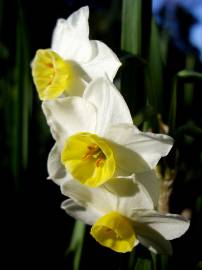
point(89, 158)
point(51, 74)
point(115, 232)
point(95, 153)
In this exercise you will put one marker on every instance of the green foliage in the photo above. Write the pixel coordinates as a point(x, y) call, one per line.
point(22, 101)
point(131, 26)
point(165, 99)
point(76, 244)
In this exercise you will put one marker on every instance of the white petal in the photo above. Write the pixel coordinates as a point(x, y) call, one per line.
point(151, 239)
point(118, 194)
point(127, 161)
point(121, 133)
point(169, 225)
point(86, 215)
point(56, 170)
point(104, 61)
point(71, 41)
point(70, 37)
point(98, 198)
point(111, 106)
point(151, 183)
point(151, 147)
point(69, 115)
point(130, 195)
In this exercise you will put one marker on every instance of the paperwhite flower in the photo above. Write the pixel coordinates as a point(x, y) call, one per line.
point(72, 60)
point(98, 140)
point(122, 215)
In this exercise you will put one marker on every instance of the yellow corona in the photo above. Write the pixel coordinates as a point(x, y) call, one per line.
point(115, 232)
point(51, 74)
point(88, 158)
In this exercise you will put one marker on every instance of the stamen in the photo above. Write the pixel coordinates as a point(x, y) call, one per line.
point(50, 65)
point(100, 159)
point(96, 153)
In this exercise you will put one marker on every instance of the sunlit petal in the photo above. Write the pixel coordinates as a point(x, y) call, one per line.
point(151, 147)
point(112, 108)
point(169, 225)
point(67, 116)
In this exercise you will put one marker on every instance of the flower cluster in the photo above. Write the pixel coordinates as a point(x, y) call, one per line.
point(100, 160)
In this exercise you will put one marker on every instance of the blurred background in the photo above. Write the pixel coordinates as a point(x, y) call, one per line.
point(159, 43)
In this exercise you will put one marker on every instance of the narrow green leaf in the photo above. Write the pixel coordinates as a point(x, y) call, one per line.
point(188, 94)
point(182, 95)
point(199, 204)
point(190, 76)
point(155, 91)
point(131, 26)
point(162, 262)
point(132, 83)
point(76, 244)
point(154, 259)
point(3, 52)
point(187, 75)
point(146, 23)
point(143, 264)
point(190, 129)
point(136, 26)
point(136, 83)
point(22, 100)
point(173, 107)
point(26, 100)
point(142, 259)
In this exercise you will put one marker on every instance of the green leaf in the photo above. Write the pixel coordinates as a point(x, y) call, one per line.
point(155, 91)
point(189, 76)
point(132, 83)
point(76, 244)
point(199, 204)
point(22, 101)
point(182, 96)
point(190, 129)
point(162, 262)
point(143, 264)
point(173, 108)
point(141, 82)
point(131, 26)
point(141, 259)
point(136, 26)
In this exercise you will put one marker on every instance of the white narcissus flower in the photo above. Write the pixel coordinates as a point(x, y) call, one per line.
point(98, 140)
point(121, 214)
point(73, 59)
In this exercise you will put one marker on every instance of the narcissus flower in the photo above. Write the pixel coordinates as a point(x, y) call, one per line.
point(121, 214)
point(97, 139)
point(73, 59)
